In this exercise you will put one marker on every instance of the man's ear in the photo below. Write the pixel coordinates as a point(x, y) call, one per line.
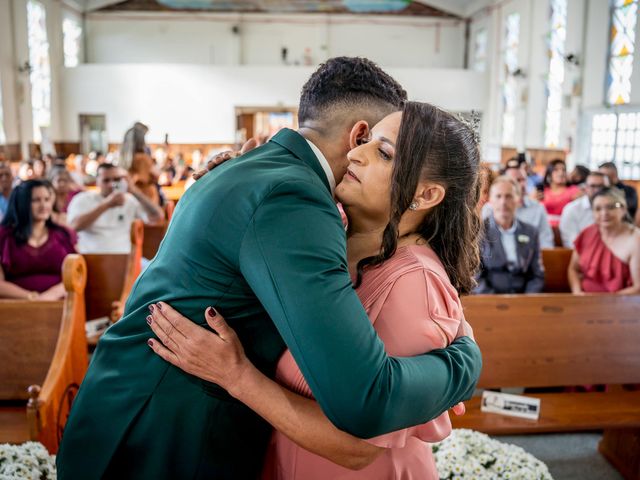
point(359, 132)
point(429, 195)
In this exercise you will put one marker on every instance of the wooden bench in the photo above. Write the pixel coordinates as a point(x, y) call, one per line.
point(111, 276)
point(556, 264)
point(44, 358)
point(153, 234)
point(555, 340)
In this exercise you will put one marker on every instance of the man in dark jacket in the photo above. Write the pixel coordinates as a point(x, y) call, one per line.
point(510, 251)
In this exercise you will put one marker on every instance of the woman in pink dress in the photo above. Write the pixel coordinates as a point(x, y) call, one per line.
point(606, 257)
point(557, 191)
point(32, 246)
point(410, 194)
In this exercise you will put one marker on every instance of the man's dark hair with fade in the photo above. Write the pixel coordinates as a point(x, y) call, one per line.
point(348, 81)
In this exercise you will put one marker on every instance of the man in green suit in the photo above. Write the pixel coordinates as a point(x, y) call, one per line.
point(261, 240)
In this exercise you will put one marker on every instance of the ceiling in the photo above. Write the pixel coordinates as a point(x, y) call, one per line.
point(430, 8)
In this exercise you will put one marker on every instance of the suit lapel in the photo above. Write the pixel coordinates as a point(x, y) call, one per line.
point(498, 253)
point(298, 146)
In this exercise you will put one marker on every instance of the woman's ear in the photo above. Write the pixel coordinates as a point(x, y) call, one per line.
point(428, 195)
point(359, 132)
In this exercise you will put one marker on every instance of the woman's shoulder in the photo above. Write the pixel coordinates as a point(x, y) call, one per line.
point(64, 234)
point(424, 258)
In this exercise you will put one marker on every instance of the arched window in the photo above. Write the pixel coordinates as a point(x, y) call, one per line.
point(624, 14)
point(480, 50)
point(510, 85)
point(555, 79)
point(72, 35)
point(40, 67)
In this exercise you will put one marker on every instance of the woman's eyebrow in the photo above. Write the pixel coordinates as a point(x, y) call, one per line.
point(386, 140)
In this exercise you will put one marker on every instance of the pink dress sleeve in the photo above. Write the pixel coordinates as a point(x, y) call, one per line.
point(421, 313)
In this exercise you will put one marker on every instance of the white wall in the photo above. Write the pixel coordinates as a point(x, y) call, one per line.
point(202, 38)
point(195, 104)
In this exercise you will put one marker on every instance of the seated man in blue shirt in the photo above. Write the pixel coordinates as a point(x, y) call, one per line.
point(510, 251)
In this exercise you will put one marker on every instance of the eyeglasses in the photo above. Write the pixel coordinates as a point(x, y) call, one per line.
point(609, 208)
point(593, 187)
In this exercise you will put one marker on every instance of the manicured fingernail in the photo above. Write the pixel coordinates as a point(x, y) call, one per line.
point(159, 306)
point(151, 308)
point(149, 319)
point(211, 312)
point(150, 342)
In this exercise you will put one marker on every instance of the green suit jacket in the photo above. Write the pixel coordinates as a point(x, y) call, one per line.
point(261, 240)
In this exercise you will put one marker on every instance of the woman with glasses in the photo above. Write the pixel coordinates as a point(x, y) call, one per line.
point(606, 257)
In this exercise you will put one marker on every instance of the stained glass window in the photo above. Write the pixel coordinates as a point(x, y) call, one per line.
point(615, 137)
point(555, 79)
point(72, 34)
point(480, 50)
point(40, 68)
point(510, 86)
point(623, 36)
point(603, 138)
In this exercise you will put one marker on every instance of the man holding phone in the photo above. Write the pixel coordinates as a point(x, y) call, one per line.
point(103, 218)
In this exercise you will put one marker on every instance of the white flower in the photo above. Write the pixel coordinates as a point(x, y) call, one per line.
point(467, 454)
point(28, 461)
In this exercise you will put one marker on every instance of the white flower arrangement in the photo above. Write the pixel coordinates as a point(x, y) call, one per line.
point(467, 454)
point(29, 461)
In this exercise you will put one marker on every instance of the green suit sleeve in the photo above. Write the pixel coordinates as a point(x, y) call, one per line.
point(293, 257)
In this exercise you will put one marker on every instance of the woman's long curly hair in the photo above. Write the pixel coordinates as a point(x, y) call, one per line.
point(434, 145)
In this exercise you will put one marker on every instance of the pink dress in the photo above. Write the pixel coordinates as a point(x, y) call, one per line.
point(414, 308)
point(555, 202)
point(601, 270)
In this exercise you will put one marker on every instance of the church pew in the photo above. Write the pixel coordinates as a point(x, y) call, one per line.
point(111, 276)
point(556, 263)
point(153, 234)
point(44, 358)
point(555, 340)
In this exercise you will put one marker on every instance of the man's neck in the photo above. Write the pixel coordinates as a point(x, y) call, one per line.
point(330, 149)
point(505, 224)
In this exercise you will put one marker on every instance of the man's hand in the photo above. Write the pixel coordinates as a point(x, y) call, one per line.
point(115, 199)
point(222, 157)
point(217, 356)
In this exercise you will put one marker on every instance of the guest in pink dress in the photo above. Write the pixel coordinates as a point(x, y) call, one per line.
point(32, 246)
point(557, 191)
point(410, 194)
point(606, 257)
point(65, 189)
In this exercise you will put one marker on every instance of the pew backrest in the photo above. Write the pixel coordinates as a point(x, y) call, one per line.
point(556, 264)
point(110, 277)
point(551, 340)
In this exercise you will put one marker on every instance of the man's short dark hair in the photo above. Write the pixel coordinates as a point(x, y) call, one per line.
point(610, 165)
point(106, 167)
point(346, 81)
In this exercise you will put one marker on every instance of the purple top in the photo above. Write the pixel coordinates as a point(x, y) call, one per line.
point(35, 269)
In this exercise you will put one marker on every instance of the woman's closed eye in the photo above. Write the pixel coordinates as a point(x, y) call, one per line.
point(384, 154)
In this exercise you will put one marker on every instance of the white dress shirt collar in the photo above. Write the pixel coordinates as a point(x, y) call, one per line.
point(325, 166)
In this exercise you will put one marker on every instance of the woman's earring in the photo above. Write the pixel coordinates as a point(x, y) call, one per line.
point(413, 206)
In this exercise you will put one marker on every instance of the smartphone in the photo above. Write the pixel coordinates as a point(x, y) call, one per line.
point(121, 186)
